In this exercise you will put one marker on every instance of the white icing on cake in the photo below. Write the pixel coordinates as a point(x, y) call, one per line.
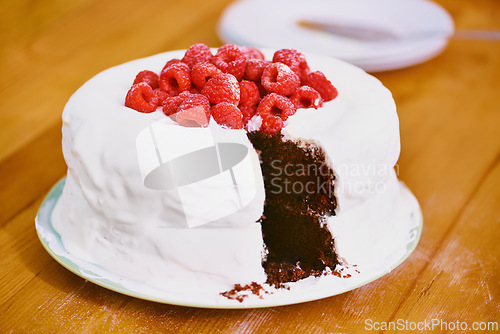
point(106, 215)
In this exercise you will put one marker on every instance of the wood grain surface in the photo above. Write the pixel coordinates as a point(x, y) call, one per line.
point(449, 113)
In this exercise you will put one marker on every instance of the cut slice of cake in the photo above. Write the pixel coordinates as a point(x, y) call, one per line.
point(300, 195)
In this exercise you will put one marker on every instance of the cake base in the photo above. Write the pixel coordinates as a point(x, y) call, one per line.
point(346, 277)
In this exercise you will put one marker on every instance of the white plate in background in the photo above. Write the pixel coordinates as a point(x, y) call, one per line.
point(421, 27)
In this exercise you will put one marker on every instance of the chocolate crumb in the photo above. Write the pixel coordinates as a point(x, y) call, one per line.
point(236, 292)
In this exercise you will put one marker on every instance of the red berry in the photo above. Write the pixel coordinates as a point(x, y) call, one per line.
point(271, 124)
point(194, 111)
point(276, 105)
point(175, 79)
point(249, 93)
point(252, 52)
point(230, 59)
point(142, 98)
point(248, 112)
point(149, 77)
point(171, 62)
point(254, 69)
point(222, 88)
point(295, 60)
point(193, 118)
point(161, 96)
point(195, 100)
point(185, 94)
point(197, 53)
point(290, 57)
point(171, 104)
point(306, 97)
point(228, 115)
point(279, 78)
point(318, 81)
point(202, 72)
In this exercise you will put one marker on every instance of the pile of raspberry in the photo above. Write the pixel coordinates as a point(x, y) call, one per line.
point(231, 87)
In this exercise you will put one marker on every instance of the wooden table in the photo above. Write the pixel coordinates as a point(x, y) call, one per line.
point(449, 109)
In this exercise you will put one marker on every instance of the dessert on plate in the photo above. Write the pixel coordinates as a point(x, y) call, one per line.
point(232, 171)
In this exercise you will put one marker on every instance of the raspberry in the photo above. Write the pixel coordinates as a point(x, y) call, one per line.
point(249, 93)
point(254, 69)
point(161, 96)
point(295, 60)
point(222, 88)
point(279, 78)
point(151, 78)
point(271, 124)
point(171, 104)
point(248, 113)
point(171, 62)
point(175, 79)
point(230, 59)
point(318, 81)
point(185, 94)
point(142, 98)
point(194, 111)
point(274, 105)
point(227, 114)
point(197, 53)
point(306, 97)
point(195, 100)
point(202, 72)
point(252, 52)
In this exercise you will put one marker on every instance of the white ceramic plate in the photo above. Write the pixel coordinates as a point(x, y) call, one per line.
point(422, 27)
point(306, 290)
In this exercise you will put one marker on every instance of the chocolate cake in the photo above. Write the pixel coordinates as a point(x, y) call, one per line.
point(304, 197)
point(299, 187)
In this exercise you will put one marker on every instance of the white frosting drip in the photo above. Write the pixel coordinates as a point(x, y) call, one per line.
point(107, 216)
